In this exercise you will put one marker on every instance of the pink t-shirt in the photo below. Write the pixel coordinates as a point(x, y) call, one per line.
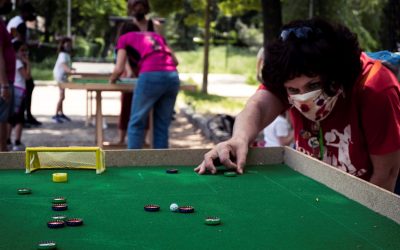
point(148, 50)
point(8, 52)
point(366, 123)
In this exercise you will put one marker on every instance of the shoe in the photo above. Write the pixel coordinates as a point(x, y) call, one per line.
point(19, 147)
point(27, 125)
point(64, 117)
point(9, 147)
point(57, 119)
point(33, 121)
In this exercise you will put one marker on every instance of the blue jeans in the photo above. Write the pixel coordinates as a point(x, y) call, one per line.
point(157, 91)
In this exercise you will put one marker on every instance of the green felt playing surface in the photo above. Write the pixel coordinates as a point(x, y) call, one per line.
point(103, 81)
point(269, 207)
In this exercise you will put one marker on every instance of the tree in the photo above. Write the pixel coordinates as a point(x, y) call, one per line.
point(390, 34)
point(272, 15)
point(206, 44)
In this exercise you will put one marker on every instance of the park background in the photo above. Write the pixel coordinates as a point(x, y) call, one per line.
point(228, 33)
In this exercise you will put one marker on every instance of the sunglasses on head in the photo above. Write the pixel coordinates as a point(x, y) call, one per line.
point(299, 32)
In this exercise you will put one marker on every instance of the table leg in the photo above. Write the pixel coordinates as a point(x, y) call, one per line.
point(90, 106)
point(87, 122)
point(99, 120)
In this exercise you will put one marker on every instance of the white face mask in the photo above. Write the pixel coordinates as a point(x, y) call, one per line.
point(314, 105)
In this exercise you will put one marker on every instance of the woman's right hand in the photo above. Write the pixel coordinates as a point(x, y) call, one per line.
point(231, 153)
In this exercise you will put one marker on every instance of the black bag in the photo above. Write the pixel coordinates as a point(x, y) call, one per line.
point(221, 127)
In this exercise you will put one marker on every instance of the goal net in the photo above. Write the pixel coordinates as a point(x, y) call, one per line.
point(64, 158)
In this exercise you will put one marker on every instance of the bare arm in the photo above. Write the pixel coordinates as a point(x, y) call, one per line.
point(158, 27)
point(3, 76)
point(26, 70)
point(4, 85)
point(261, 109)
point(119, 66)
point(385, 170)
point(25, 73)
point(174, 58)
point(67, 68)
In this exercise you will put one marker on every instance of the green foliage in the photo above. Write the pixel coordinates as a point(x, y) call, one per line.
point(237, 8)
point(362, 17)
point(81, 47)
point(249, 36)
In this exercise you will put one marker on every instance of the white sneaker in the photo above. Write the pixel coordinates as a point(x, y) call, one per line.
point(20, 147)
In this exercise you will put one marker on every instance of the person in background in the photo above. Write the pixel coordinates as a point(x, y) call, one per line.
point(60, 72)
point(279, 132)
point(16, 120)
point(7, 74)
point(345, 106)
point(19, 31)
point(138, 9)
point(17, 26)
point(157, 86)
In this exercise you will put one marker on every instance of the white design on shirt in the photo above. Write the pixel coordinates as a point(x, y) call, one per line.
point(343, 160)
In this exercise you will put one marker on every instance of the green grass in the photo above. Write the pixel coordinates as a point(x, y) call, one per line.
point(211, 104)
point(44, 69)
point(231, 60)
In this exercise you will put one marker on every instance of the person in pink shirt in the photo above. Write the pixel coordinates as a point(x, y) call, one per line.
point(345, 106)
point(157, 86)
point(138, 10)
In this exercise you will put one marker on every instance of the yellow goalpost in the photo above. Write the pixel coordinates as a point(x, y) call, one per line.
point(65, 158)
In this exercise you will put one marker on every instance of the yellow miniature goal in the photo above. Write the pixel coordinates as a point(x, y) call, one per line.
point(65, 158)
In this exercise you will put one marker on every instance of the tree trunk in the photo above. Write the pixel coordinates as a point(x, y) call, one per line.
point(272, 18)
point(390, 33)
point(206, 47)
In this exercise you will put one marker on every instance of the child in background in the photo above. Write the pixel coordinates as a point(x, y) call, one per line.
point(279, 132)
point(22, 72)
point(60, 73)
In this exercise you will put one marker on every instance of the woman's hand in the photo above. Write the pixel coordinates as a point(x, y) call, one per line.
point(231, 153)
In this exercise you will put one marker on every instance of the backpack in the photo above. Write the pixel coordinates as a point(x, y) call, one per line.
point(221, 127)
point(389, 59)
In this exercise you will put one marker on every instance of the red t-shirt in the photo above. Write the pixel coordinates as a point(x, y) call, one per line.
point(367, 122)
point(8, 52)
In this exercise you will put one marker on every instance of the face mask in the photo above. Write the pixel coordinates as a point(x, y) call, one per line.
point(314, 105)
point(139, 16)
point(7, 7)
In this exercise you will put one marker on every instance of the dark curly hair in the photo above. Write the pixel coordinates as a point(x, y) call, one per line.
point(132, 3)
point(61, 43)
point(313, 48)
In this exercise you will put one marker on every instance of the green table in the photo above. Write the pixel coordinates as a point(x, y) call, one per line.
point(103, 81)
point(271, 206)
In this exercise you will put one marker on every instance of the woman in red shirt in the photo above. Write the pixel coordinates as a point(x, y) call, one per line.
point(345, 106)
